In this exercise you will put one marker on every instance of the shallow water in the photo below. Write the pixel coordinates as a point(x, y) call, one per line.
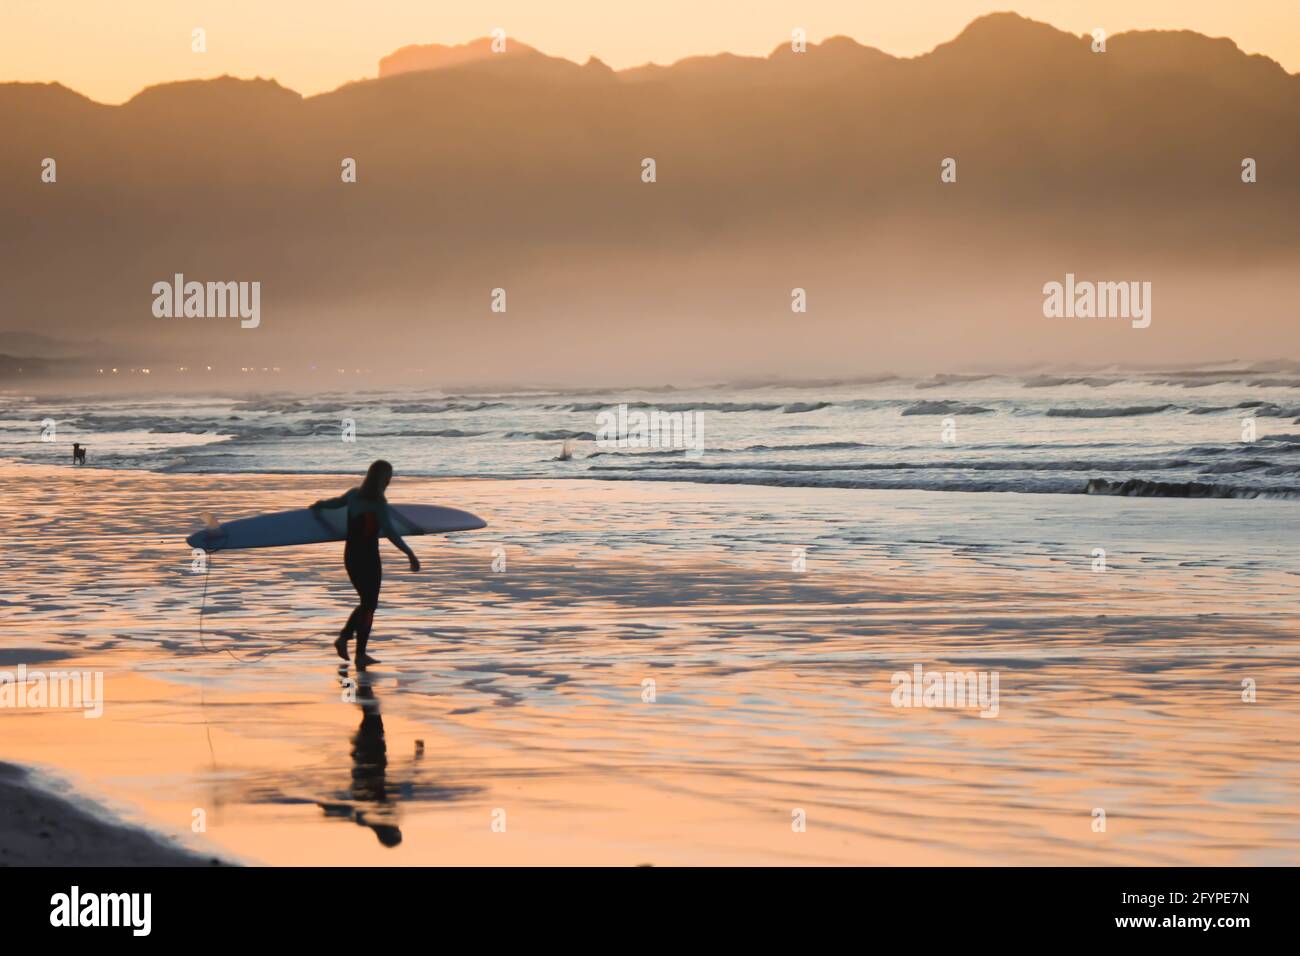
point(1119, 691)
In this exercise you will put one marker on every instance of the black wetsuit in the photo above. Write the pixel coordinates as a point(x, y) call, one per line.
point(368, 519)
point(365, 571)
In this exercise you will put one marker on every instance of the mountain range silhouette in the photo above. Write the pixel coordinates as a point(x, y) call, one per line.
point(817, 170)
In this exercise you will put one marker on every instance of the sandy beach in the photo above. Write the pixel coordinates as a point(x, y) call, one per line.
point(654, 673)
point(43, 827)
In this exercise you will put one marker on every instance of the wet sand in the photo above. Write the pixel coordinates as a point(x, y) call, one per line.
point(511, 721)
point(42, 827)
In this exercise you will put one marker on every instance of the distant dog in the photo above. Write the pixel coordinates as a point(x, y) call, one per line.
point(78, 454)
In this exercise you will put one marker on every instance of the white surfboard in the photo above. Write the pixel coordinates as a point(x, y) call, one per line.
point(304, 526)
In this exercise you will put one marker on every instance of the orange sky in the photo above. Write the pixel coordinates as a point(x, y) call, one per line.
point(109, 51)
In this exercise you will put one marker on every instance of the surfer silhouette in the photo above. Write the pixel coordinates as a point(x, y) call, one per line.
point(368, 516)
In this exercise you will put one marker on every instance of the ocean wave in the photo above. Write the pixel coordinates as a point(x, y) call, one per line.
point(1234, 467)
point(280, 406)
point(1208, 379)
point(677, 452)
point(627, 453)
point(1142, 464)
point(944, 408)
point(428, 433)
point(943, 381)
point(1053, 381)
point(424, 408)
point(816, 480)
point(801, 446)
point(1147, 488)
point(1120, 412)
point(1269, 410)
point(672, 406)
point(557, 435)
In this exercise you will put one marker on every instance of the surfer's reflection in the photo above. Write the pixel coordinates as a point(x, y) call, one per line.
point(370, 805)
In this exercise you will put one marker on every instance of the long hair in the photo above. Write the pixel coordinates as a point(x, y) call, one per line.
point(372, 488)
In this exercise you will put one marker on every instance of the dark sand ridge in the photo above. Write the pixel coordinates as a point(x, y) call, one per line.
point(39, 827)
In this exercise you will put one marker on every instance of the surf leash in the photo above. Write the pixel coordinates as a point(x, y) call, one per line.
point(203, 605)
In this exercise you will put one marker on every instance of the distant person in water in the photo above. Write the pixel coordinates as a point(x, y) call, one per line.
point(367, 517)
point(78, 454)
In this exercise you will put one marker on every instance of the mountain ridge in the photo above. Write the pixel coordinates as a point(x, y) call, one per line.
point(988, 34)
